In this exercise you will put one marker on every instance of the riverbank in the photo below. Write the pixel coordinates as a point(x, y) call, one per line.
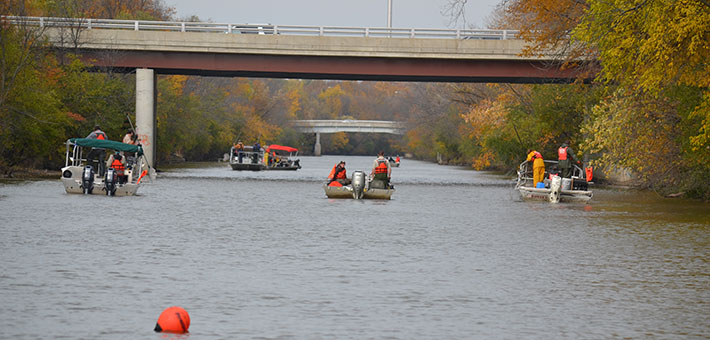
point(21, 174)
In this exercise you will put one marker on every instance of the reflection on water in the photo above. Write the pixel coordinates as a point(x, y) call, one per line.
point(454, 254)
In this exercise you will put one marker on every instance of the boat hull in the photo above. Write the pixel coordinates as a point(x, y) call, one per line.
point(543, 194)
point(347, 192)
point(247, 166)
point(72, 185)
point(291, 168)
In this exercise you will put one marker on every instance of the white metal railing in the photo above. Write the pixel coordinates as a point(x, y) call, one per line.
point(262, 29)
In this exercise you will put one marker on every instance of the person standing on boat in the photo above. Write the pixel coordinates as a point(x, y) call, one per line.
point(239, 148)
point(256, 149)
point(339, 175)
point(97, 155)
point(538, 166)
point(381, 169)
point(130, 138)
point(565, 156)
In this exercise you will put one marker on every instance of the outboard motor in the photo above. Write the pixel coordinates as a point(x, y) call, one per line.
point(110, 181)
point(87, 179)
point(359, 181)
point(555, 189)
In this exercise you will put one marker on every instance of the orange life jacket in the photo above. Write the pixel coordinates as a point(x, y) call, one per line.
point(100, 136)
point(118, 166)
point(335, 184)
point(382, 167)
point(340, 175)
point(562, 153)
point(397, 159)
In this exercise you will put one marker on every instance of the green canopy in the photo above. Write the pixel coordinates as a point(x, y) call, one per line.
point(107, 144)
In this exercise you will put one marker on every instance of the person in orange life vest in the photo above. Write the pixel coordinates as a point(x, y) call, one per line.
point(117, 162)
point(565, 156)
point(338, 175)
point(381, 169)
point(538, 166)
point(97, 155)
point(397, 159)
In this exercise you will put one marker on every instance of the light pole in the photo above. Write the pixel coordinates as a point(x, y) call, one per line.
point(389, 13)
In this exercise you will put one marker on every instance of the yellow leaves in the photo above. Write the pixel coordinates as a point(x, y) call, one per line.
point(701, 141)
point(338, 140)
point(483, 160)
point(177, 83)
point(650, 45)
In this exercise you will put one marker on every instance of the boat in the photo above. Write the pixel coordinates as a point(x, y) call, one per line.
point(78, 177)
point(361, 187)
point(279, 157)
point(555, 188)
point(247, 159)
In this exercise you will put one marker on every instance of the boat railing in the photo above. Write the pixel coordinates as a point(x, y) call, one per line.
point(247, 154)
point(525, 171)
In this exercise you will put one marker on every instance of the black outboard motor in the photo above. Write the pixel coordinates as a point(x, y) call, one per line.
point(358, 182)
point(87, 179)
point(110, 181)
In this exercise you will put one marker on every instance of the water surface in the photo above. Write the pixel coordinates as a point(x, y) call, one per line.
point(265, 255)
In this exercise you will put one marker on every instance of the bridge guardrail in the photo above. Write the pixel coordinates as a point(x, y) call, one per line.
point(263, 29)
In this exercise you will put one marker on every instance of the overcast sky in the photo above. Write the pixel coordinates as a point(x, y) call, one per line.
point(358, 13)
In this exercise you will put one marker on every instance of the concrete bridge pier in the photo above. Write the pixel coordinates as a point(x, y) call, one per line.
point(316, 148)
point(146, 101)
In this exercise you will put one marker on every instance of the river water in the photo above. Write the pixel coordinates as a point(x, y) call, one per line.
point(265, 255)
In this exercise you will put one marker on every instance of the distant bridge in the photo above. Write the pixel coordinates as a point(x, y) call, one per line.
point(333, 126)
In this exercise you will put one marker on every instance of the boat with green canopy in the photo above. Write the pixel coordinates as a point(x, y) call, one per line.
point(86, 171)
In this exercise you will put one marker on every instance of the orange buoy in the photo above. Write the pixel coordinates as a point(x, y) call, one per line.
point(173, 320)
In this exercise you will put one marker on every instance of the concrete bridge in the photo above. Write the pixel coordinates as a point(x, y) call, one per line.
point(347, 53)
point(333, 126)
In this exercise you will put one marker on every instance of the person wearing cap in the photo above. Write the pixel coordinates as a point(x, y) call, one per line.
point(97, 155)
point(565, 156)
point(338, 175)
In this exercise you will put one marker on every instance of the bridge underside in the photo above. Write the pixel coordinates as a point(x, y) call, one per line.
point(341, 68)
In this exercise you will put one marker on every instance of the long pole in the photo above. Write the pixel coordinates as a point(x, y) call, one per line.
point(389, 13)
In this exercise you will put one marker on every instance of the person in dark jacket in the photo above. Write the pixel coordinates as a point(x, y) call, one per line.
point(565, 156)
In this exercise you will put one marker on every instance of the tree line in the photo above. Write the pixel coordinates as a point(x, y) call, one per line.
point(647, 114)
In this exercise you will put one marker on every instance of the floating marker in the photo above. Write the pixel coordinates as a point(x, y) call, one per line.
point(173, 320)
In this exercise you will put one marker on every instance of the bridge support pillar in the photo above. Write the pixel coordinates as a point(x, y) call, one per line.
point(316, 148)
point(145, 111)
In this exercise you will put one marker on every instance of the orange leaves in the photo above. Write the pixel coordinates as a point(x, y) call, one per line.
point(75, 116)
point(484, 116)
point(546, 24)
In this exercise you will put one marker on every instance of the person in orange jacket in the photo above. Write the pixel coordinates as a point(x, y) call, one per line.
point(338, 175)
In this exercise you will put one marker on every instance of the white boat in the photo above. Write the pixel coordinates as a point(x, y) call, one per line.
point(78, 177)
point(556, 189)
point(360, 188)
point(247, 159)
